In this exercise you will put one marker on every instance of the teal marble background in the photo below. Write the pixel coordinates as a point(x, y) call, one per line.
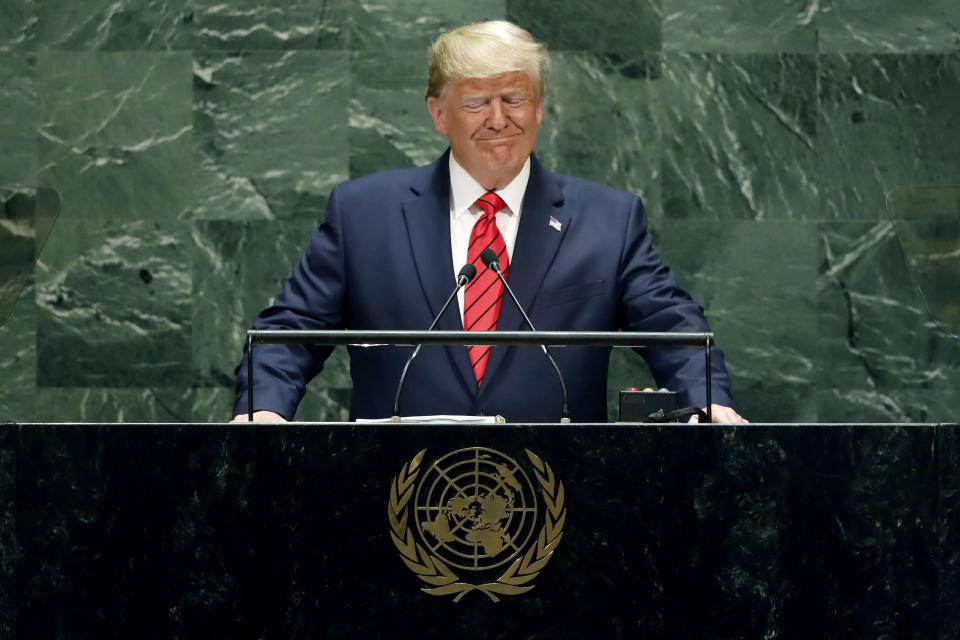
point(194, 144)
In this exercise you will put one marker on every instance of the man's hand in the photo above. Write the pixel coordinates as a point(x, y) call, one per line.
point(260, 416)
point(721, 414)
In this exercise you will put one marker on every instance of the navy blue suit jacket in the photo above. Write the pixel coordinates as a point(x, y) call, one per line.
point(381, 260)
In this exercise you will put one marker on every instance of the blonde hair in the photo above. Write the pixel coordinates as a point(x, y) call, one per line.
point(485, 50)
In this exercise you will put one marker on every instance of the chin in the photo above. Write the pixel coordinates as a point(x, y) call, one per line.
point(503, 168)
point(502, 158)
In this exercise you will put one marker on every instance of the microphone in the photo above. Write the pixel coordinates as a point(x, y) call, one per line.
point(489, 258)
point(466, 274)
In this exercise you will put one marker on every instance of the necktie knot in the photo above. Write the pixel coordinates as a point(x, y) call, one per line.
point(490, 203)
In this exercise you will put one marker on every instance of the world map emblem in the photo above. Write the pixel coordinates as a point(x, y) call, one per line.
point(476, 520)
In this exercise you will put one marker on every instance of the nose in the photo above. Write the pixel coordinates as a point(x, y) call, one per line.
point(497, 117)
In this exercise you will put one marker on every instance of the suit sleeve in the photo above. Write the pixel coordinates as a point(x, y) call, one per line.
point(312, 298)
point(651, 300)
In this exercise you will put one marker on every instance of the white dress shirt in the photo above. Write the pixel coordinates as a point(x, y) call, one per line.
point(464, 192)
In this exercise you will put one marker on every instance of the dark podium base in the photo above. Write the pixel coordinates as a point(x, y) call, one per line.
point(213, 531)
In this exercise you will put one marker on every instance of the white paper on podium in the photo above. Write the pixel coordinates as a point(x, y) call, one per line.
point(436, 419)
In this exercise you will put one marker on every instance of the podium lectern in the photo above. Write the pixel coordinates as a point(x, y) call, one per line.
point(170, 531)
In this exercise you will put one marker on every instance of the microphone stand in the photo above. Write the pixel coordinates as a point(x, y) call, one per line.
point(489, 258)
point(467, 272)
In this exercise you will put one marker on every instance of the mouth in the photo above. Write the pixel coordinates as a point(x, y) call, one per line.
point(499, 138)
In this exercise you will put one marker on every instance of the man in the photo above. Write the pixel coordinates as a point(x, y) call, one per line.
point(576, 253)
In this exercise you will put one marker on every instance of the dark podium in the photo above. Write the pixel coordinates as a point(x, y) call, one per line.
point(290, 531)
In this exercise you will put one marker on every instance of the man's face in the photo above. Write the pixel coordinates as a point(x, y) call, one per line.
point(491, 123)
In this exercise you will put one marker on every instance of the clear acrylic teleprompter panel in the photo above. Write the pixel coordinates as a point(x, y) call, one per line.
point(926, 221)
point(26, 216)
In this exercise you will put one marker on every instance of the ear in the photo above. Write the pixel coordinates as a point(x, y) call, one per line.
point(437, 114)
point(540, 113)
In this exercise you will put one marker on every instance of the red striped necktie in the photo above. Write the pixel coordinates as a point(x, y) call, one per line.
point(484, 294)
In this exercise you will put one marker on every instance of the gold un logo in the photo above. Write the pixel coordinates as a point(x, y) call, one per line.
point(475, 512)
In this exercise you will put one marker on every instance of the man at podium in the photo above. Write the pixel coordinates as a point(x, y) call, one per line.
point(577, 254)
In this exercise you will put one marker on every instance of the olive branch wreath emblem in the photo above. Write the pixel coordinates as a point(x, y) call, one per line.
point(432, 570)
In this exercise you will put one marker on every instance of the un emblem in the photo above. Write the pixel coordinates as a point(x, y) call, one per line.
point(476, 510)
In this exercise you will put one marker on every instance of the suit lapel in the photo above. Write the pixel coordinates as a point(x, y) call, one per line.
point(427, 218)
point(536, 246)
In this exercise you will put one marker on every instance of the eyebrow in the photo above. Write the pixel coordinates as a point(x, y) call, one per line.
point(510, 92)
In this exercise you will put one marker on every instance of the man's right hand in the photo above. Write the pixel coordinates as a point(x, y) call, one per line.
point(260, 416)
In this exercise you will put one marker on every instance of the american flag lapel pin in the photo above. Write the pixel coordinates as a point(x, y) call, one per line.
point(555, 224)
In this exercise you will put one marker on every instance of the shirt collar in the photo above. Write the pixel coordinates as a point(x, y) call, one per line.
point(464, 190)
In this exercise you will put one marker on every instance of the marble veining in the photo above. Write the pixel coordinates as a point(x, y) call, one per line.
point(271, 132)
point(195, 144)
point(86, 336)
point(888, 26)
point(741, 26)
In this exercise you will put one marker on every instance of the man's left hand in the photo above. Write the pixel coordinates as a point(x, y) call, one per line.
point(722, 414)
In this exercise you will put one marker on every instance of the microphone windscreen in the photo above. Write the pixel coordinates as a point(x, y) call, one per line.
point(467, 271)
point(487, 256)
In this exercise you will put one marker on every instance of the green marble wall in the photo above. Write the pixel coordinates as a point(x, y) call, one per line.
point(195, 142)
